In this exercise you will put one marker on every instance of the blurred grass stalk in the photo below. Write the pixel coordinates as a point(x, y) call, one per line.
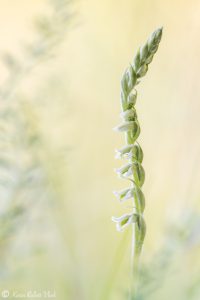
point(51, 32)
point(27, 174)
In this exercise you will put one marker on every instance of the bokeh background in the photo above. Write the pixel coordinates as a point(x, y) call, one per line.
point(60, 83)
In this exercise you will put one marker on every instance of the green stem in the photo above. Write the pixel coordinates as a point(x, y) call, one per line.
point(135, 251)
point(135, 258)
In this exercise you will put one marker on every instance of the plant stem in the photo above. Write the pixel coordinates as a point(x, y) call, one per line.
point(134, 266)
point(135, 257)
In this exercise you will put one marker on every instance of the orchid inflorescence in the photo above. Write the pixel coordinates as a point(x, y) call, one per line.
point(133, 170)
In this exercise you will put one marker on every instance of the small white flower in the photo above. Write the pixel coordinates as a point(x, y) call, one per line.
point(123, 152)
point(124, 195)
point(123, 221)
point(124, 171)
point(126, 126)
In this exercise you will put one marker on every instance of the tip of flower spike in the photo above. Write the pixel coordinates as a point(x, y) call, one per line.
point(160, 28)
point(160, 31)
point(158, 34)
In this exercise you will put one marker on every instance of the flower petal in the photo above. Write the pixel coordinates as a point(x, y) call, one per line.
point(123, 221)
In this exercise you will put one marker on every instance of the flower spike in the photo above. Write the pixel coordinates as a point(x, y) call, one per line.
point(133, 170)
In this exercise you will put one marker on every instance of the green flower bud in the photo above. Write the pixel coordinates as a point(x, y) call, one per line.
point(136, 153)
point(132, 77)
point(138, 174)
point(139, 199)
point(154, 40)
point(158, 35)
point(124, 83)
point(141, 230)
point(132, 98)
point(128, 80)
point(137, 61)
point(132, 135)
point(142, 70)
point(149, 59)
point(144, 51)
point(124, 103)
point(154, 49)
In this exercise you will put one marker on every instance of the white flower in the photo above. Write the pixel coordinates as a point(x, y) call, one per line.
point(127, 126)
point(123, 152)
point(124, 171)
point(123, 221)
point(124, 195)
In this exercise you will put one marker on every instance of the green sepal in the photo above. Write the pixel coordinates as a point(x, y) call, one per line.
point(132, 135)
point(137, 61)
point(142, 70)
point(132, 97)
point(138, 174)
point(140, 232)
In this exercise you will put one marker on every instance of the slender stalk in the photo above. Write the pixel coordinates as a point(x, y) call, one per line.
point(134, 264)
point(133, 170)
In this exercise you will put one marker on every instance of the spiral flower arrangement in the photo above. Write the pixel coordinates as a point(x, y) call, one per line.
point(133, 170)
